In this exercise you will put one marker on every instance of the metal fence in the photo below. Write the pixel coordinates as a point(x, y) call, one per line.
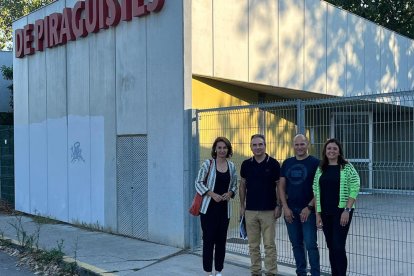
point(377, 132)
point(7, 165)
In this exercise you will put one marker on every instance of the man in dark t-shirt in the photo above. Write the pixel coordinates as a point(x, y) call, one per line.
point(296, 195)
point(259, 204)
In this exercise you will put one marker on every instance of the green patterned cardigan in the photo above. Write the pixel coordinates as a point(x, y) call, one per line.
point(348, 187)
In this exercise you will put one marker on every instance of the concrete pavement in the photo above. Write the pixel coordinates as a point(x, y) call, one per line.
point(8, 266)
point(107, 254)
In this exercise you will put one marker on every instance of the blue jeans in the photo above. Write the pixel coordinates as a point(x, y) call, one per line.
point(301, 235)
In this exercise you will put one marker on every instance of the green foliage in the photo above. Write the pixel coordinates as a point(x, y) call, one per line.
point(396, 15)
point(11, 10)
point(39, 219)
point(29, 242)
point(7, 73)
point(54, 255)
point(29, 246)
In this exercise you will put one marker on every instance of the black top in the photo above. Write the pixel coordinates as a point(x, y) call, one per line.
point(260, 183)
point(329, 183)
point(222, 182)
point(299, 176)
point(221, 187)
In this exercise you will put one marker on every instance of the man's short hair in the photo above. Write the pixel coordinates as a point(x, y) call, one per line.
point(261, 136)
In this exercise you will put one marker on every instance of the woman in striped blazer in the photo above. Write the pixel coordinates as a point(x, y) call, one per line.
point(217, 183)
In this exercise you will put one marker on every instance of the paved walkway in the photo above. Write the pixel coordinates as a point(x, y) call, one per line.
point(106, 254)
point(8, 266)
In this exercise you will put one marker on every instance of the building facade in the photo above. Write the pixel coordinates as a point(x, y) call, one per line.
point(104, 93)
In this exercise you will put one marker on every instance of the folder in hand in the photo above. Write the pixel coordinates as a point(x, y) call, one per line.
point(242, 228)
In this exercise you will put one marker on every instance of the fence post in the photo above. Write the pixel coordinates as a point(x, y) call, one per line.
point(262, 114)
point(193, 154)
point(300, 116)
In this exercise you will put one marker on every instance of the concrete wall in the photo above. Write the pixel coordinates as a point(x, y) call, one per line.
point(127, 80)
point(305, 45)
point(6, 58)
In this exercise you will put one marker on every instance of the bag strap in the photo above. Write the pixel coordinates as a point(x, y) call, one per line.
point(209, 168)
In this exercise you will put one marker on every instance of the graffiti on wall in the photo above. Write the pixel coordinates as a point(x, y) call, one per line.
point(76, 153)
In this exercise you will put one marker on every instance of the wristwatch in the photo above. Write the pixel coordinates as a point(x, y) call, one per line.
point(311, 208)
point(348, 210)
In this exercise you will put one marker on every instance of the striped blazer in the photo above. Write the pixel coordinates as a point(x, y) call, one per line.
point(348, 186)
point(211, 182)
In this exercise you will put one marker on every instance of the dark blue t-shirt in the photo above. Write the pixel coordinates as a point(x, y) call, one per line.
point(260, 183)
point(299, 176)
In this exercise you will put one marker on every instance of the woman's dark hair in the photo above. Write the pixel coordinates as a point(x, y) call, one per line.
point(341, 160)
point(228, 145)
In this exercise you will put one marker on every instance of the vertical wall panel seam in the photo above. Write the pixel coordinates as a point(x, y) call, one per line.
point(90, 130)
point(364, 89)
point(303, 44)
point(248, 40)
point(147, 105)
point(278, 42)
point(326, 47)
point(394, 61)
point(28, 125)
point(67, 135)
point(395, 64)
point(116, 141)
point(67, 129)
point(47, 141)
point(406, 65)
point(147, 123)
point(212, 38)
point(380, 57)
point(346, 54)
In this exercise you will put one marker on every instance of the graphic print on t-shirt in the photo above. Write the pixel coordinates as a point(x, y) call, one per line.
point(296, 174)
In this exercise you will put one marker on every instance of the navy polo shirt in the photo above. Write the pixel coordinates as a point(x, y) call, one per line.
point(260, 183)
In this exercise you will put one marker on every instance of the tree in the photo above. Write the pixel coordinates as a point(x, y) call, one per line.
point(7, 73)
point(11, 10)
point(396, 15)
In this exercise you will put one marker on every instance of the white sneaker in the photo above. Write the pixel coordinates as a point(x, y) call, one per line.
point(218, 274)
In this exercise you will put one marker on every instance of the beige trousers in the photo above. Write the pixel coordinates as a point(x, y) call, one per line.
point(261, 224)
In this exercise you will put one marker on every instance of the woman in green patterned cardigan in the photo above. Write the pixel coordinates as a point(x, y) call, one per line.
point(336, 187)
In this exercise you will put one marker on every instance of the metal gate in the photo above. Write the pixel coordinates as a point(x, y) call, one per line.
point(377, 132)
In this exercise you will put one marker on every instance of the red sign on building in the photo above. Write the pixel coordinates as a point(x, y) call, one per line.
point(84, 18)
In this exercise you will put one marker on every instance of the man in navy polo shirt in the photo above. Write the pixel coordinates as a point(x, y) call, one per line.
point(296, 195)
point(259, 204)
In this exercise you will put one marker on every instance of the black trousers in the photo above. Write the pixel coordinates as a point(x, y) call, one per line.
point(335, 236)
point(214, 225)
